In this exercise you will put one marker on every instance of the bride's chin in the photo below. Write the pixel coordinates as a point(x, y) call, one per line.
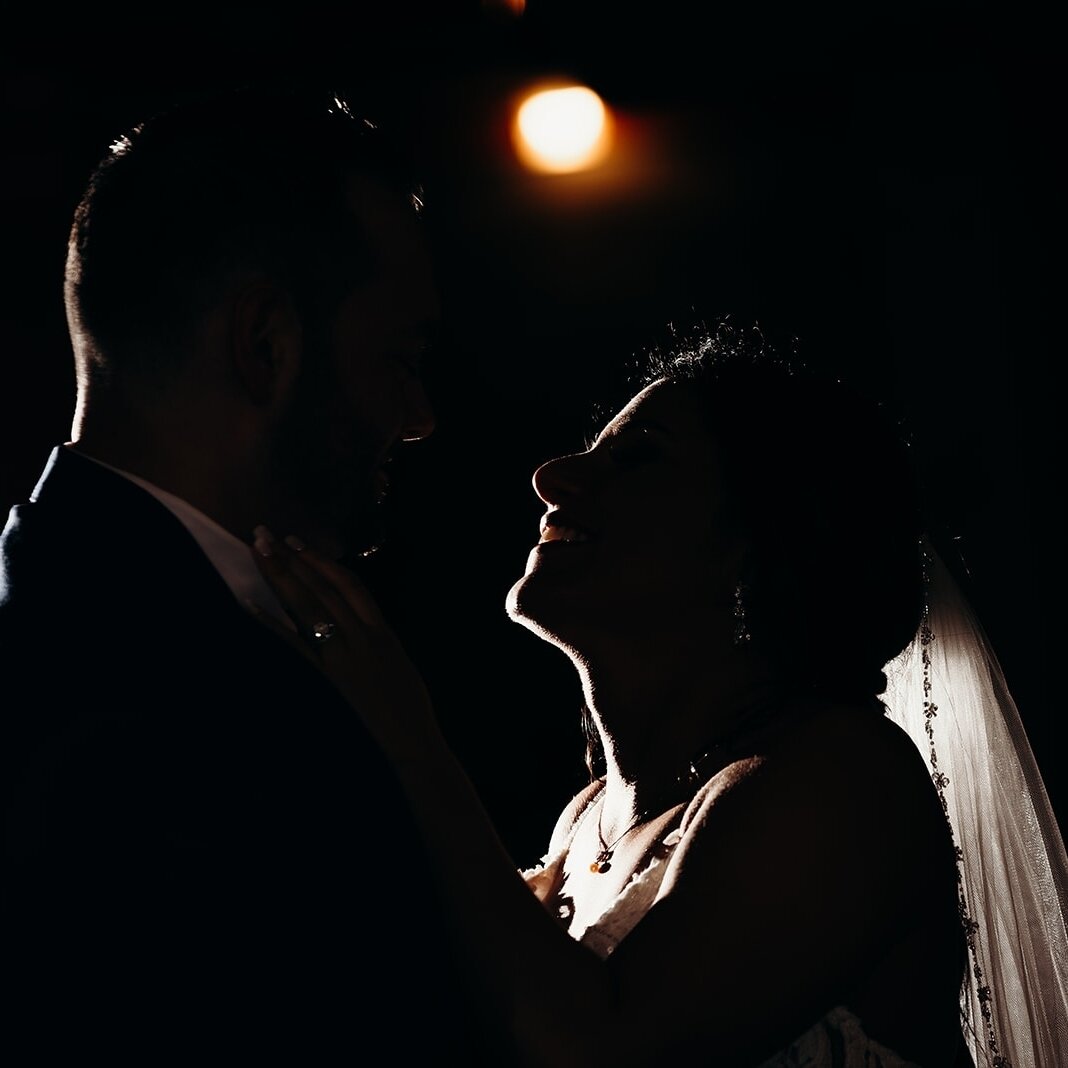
point(515, 604)
point(524, 606)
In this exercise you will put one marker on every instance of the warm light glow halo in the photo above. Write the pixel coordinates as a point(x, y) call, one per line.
point(561, 128)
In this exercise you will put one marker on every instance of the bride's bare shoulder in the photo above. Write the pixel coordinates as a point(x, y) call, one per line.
point(839, 769)
point(838, 743)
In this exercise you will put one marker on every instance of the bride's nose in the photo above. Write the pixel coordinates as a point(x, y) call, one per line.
point(558, 479)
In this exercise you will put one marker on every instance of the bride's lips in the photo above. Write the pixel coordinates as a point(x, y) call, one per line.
point(559, 529)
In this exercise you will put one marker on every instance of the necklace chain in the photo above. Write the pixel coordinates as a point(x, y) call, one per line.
point(686, 784)
point(603, 860)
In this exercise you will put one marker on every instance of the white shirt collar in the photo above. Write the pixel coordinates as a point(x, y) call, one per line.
point(229, 555)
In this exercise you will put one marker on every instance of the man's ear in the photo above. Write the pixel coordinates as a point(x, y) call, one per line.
point(266, 341)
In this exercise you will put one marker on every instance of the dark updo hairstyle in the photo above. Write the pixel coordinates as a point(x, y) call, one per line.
point(821, 479)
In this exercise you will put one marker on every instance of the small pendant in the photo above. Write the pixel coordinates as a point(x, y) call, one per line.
point(603, 862)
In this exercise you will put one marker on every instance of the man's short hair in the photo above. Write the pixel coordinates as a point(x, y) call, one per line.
point(251, 180)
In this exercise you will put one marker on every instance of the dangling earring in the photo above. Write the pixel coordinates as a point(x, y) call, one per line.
point(741, 627)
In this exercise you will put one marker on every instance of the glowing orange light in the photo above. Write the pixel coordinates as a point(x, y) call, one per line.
point(562, 129)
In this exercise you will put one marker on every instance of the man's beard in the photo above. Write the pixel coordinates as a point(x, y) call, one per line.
point(358, 515)
point(327, 467)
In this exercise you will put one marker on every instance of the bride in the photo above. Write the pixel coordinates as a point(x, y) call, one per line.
point(761, 870)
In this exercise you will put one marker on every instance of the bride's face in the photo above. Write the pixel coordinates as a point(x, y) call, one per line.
point(636, 540)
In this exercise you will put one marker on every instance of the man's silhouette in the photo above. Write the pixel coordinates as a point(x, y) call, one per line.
point(206, 858)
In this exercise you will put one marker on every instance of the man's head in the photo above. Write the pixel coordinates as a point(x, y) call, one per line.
point(252, 265)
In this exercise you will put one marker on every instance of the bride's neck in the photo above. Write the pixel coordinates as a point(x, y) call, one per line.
point(654, 724)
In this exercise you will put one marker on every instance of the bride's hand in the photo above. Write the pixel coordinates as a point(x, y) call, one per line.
point(342, 631)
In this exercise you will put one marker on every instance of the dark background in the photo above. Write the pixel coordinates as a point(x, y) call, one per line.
point(880, 186)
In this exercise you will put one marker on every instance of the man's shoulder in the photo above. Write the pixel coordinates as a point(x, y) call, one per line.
point(88, 539)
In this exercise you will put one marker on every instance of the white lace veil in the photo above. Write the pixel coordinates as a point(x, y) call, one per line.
point(948, 692)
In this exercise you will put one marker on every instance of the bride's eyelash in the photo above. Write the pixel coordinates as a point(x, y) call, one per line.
point(632, 448)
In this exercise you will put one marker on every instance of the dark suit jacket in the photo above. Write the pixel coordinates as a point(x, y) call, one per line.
point(204, 850)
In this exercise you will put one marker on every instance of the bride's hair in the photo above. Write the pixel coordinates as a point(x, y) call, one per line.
point(833, 583)
point(833, 587)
